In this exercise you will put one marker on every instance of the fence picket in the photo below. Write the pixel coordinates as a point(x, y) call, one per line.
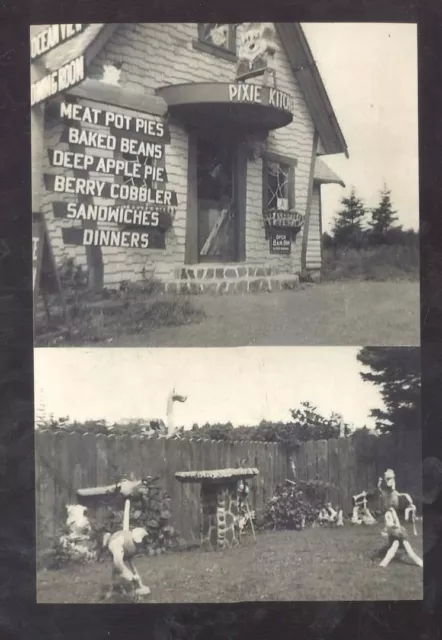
point(66, 462)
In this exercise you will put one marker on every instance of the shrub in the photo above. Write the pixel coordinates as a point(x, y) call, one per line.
point(381, 263)
point(294, 505)
point(150, 509)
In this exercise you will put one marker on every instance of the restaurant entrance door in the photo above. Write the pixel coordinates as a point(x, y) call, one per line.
point(216, 200)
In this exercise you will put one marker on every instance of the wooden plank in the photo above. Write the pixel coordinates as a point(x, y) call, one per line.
point(88, 456)
point(182, 490)
point(310, 459)
point(355, 481)
point(240, 186)
point(213, 233)
point(371, 477)
point(177, 493)
point(305, 231)
point(345, 492)
point(102, 469)
point(322, 462)
point(301, 462)
point(44, 484)
point(194, 494)
point(333, 472)
point(191, 245)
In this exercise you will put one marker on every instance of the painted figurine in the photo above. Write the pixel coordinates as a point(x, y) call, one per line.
point(124, 545)
point(391, 498)
point(397, 539)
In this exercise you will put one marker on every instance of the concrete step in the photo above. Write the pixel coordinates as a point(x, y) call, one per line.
point(238, 285)
point(216, 271)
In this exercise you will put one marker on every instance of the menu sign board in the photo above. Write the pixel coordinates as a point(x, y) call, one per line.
point(132, 177)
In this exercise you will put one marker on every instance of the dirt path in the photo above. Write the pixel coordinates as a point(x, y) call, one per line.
point(344, 313)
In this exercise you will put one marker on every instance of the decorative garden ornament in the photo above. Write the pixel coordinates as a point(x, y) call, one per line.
point(397, 539)
point(77, 543)
point(391, 498)
point(170, 417)
point(361, 513)
point(124, 545)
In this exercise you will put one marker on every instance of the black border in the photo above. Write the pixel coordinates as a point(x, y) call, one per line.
point(19, 616)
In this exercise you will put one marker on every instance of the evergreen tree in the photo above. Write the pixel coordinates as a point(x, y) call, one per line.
point(347, 227)
point(382, 218)
point(396, 370)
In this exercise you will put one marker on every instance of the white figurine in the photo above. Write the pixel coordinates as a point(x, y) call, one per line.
point(397, 539)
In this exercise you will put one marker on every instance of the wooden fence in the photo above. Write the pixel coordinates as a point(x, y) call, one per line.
point(66, 462)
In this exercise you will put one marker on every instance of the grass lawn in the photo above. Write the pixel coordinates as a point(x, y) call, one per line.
point(362, 313)
point(335, 313)
point(314, 564)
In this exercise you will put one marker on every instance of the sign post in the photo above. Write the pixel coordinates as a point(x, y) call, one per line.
point(45, 278)
point(44, 272)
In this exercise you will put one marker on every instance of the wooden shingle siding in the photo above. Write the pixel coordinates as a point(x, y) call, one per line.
point(314, 260)
point(154, 55)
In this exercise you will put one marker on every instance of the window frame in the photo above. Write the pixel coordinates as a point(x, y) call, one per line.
point(291, 163)
point(228, 53)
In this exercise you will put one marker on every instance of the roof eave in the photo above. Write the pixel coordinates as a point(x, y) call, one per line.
point(307, 74)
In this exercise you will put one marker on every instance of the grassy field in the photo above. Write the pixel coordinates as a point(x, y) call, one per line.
point(334, 313)
point(314, 564)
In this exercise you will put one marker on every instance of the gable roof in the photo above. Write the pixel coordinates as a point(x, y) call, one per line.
point(325, 175)
point(310, 82)
point(90, 41)
point(87, 43)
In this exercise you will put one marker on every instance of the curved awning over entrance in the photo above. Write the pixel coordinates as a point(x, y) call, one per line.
point(245, 106)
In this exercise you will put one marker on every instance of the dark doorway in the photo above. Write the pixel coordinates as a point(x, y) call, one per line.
point(216, 200)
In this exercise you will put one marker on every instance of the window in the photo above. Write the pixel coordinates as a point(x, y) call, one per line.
point(218, 39)
point(278, 183)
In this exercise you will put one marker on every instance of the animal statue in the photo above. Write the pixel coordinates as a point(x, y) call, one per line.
point(361, 514)
point(123, 546)
point(397, 539)
point(77, 542)
point(391, 498)
point(170, 418)
point(329, 515)
point(77, 521)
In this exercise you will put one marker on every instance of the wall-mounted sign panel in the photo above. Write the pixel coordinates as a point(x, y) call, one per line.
point(110, 214)
point(280, 242)
point(127, 239)
point(53, 36)
point(112, 190)
point(67, 76)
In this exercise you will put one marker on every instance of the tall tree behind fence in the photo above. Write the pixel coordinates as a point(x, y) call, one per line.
point(69, 461)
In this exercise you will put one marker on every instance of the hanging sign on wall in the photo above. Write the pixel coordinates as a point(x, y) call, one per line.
point(133, 178)
point(53, 36)
point(280, 242)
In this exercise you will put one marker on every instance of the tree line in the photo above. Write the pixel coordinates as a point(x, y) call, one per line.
point(356, 226)
point(394, 370)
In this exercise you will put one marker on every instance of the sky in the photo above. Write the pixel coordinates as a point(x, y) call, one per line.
point(244, 385)
point(370, 74)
